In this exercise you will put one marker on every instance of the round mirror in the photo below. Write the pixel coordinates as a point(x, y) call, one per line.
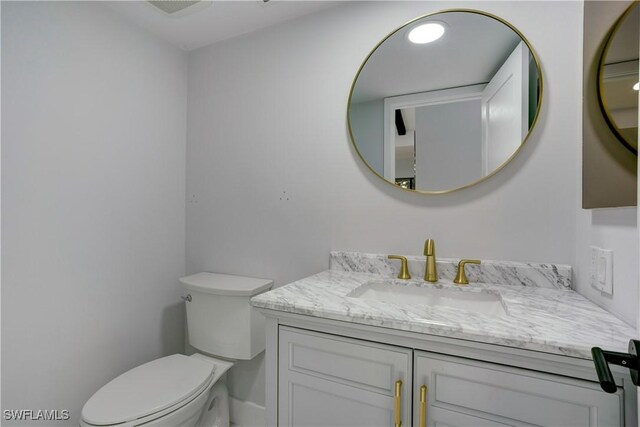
point(618, 78)
point(445, 101)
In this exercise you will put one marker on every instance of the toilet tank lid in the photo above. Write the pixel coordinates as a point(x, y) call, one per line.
point(226, 284)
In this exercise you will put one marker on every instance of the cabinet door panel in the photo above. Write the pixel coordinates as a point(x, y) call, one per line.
point(321, 403)
point(514, 396)
point(444, 418)
point(325, 380)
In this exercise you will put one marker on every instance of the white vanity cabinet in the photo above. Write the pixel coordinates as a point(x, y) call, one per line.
point(327, 380)
point(463, 392)
point(324, 379)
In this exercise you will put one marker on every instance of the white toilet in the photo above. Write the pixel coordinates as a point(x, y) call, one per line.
point(180, 390)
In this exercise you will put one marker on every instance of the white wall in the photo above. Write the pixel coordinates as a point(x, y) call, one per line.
point(304, 191)
point(93, 141)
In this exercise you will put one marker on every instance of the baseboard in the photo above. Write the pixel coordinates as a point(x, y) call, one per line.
point(246, 414)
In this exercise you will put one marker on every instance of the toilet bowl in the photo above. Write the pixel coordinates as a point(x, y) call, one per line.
point(170, 391)
point(181, 390)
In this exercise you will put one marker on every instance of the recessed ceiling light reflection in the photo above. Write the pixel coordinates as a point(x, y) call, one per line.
point(636, 86)
point(426, 33)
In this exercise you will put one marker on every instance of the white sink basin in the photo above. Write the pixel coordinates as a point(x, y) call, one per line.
point(472, 300)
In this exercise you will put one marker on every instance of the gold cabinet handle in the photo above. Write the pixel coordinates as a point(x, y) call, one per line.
point(423, 406)
point(404, 270)
point(398, 405)
point(461, 277)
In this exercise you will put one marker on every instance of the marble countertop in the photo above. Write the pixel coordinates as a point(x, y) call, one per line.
point(551, 320)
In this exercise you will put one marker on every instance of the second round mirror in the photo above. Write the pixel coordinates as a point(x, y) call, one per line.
point(618, 78)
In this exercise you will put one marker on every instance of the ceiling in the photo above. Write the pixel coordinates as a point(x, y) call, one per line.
point(211, 21)
point(470, 52)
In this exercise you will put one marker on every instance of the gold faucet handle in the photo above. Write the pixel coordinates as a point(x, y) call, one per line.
point(404, 269)
point(461, 277)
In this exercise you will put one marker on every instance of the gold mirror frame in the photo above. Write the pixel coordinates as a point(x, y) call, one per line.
point(603, 104)
point(499, 168)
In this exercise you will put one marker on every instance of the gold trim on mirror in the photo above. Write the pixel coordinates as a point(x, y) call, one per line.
point(515, 153)
point(601, 63)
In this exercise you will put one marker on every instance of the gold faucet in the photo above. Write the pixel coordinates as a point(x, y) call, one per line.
point(461, 277)
point(404, 270)
point(430, 272)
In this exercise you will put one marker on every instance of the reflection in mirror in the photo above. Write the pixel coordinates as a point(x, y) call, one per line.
point(443, 115)
point(618, 78)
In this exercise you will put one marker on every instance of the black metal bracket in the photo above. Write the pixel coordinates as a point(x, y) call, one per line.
point(602, 358)
point(400, 126)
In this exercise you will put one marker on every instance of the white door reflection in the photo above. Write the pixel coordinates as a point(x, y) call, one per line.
point(452, 137)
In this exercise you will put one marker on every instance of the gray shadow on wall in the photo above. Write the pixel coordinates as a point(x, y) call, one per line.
point(173, 329)
point(247, 380)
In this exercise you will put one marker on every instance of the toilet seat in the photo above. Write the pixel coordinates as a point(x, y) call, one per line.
point(149, 391)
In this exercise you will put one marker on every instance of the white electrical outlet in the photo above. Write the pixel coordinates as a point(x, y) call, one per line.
point(606, 277)
point(601, 271)
point(593, 268)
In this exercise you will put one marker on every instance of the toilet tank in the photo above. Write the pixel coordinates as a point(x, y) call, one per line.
point(220, 319)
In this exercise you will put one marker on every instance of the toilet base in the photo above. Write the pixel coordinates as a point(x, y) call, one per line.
point(216, 411)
